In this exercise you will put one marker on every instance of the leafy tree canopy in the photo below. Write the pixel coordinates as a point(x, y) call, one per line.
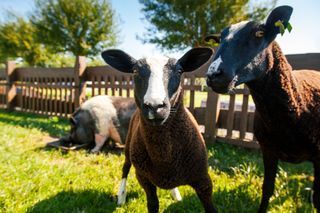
point(178, 24)
point(17, 39)
point(82, 27)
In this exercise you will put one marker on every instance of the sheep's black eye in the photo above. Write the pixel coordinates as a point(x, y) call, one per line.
point(136, 71)
point(178, 69)
point(259, 33)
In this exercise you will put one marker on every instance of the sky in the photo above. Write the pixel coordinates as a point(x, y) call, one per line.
point(304, 38)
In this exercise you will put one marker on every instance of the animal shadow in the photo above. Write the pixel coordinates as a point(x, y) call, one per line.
point(41, 122)
point(77, 201)
point(227, 156)
point(188, 204)
point(105, 150)
point(236, 200)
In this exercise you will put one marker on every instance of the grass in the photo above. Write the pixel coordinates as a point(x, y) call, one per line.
point(34, 178)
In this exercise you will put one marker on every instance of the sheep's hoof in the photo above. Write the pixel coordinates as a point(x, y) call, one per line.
point(122, 194)
point(122, 199)
point(94, 151)
point(176, 194)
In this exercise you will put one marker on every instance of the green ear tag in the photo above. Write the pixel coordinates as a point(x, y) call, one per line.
point(289, 27)
point(282, 28)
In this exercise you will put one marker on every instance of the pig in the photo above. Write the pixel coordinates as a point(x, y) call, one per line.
point(99, 119)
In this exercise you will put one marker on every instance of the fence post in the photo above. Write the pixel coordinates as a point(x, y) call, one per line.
point(80, 84)
point(211, 118)
point(10, 88)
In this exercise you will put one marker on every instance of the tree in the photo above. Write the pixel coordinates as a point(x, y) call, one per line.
point(17, 39)
point(178, 24)
point(82, 27)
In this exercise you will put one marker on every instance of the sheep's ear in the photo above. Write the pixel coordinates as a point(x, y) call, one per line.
point(282, 14)
point(215, 37)
point(119, 60)
point(195, 58)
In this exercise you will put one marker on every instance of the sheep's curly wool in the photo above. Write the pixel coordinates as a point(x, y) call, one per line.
point(170, 155)
point(287, 119)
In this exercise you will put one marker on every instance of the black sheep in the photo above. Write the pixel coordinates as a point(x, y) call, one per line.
point(164, 143)
point(287, 117)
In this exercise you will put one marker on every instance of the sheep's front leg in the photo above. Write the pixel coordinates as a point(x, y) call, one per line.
point(176, 194)
point(99, 142)
point(270, 163)
point(151, 192)
point(316, 186)
point(122, 193)
point(203, 188)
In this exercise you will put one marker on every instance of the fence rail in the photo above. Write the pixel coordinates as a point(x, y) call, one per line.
point(59, 91)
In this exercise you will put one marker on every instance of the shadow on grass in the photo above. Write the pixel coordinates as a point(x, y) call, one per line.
point(294, 189)
point(225, 157)
point(77, 201)
point(239, 199)
point(293, 179)
point(189, 203)
point(49, 149)
point(104, 150)
point(235, 200)
point(54, 126)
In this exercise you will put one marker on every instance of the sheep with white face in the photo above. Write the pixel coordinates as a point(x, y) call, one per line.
point(164, 143)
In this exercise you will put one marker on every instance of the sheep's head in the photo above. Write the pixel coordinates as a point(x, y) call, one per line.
point(156, 80)
point(241, 56)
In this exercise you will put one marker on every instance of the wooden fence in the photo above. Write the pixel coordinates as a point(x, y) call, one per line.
point(3, 84)
point(59, 91)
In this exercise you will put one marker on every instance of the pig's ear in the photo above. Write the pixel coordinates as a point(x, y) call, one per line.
point(73, 121)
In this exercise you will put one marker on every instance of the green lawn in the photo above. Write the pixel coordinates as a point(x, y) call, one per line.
point(38, 179)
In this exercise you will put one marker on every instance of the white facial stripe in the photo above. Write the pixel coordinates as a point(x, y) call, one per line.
point(213, 68)
point(235, 28)
point(156, 92)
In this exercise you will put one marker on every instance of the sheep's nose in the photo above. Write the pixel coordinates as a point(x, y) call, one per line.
point(155, 106)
